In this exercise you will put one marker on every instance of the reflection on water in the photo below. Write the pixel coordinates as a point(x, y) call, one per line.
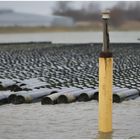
point(75, 120)
point(102, 135)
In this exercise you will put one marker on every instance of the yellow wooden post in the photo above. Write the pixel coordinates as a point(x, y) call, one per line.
point(105, 94)
point(105, 82)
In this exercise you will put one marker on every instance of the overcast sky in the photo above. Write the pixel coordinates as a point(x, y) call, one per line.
point(42, 7)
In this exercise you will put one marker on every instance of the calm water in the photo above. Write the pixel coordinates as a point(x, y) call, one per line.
point(75, 120)
point(71, 37)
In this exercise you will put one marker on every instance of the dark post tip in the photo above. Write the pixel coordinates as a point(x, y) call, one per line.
point(106, 54)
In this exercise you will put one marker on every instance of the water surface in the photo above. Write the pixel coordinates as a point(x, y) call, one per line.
point(75, 120)
point(70, 37)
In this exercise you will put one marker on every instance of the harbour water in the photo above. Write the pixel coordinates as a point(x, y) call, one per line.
point(71, 37)
point(76, 120)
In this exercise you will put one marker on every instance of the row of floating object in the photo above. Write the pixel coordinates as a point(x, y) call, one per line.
point(30, 96)
point(65, 65)
point(69, 64)
point(64, 95)
point(122, 94)
point(52, 99)
point(21, 85)
point(126, 95)
point(119, 95)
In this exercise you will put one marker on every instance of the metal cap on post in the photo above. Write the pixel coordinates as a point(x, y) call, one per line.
point(105, 49)
point(106, 14)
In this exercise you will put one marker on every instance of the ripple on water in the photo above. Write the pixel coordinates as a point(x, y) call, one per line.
point(75, 120)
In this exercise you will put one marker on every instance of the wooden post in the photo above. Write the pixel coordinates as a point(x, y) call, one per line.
point(105, 82)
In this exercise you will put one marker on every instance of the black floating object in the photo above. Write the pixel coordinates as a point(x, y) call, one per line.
point(125, 95)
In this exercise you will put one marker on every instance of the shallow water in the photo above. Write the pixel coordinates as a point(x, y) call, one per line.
point(75, 120)
point(71, 37)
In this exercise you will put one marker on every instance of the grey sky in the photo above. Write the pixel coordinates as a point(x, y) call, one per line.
point(42, 7)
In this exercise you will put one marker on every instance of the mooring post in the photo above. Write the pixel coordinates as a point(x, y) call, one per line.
point(105, 80)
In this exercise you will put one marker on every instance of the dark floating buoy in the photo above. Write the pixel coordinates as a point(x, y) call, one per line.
point(125, 95)
point(20, 100)
point(95, 96)
point(66, 98)
point(121, 94)
point(83, 97)
point(87, 96)
point(53, 98)
point(31, 96)
point(4, 97)
point(71, 96)
point(62, 99)
point(47, 100)
point(12, 98)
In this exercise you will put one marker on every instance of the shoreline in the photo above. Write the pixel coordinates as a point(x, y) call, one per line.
point(10, 30)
